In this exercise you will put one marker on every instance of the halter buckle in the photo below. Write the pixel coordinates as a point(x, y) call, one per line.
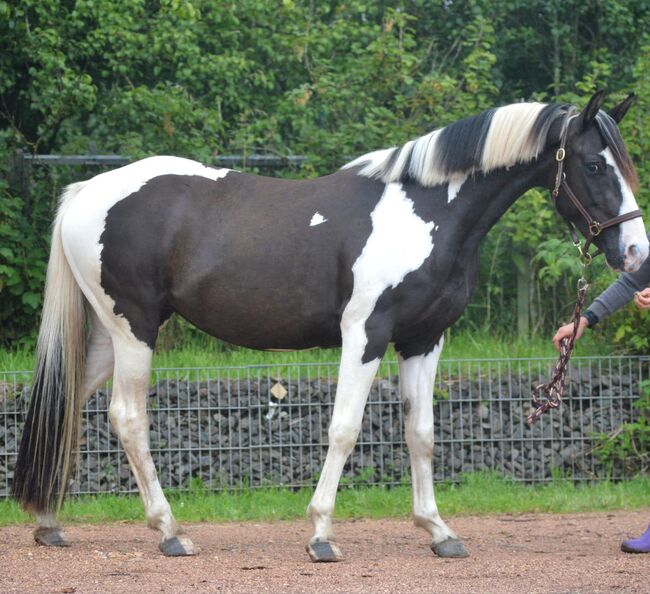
point(585, 257)
point(595, 228)
point(560, 154)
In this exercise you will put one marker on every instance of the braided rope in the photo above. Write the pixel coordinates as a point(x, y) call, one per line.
point(554, 389)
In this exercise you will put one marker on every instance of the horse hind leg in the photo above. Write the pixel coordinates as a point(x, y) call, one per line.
point(128, 416)
point(417, 376)
point(97, 370)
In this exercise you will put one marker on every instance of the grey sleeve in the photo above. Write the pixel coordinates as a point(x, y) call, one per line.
point(621, 291)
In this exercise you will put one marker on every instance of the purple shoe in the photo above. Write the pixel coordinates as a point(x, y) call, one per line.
point(637, 545)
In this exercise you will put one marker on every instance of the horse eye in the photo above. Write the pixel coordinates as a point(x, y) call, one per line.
point(593, 167)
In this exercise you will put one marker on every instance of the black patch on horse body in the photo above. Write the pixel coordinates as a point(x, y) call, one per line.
point(237, 257)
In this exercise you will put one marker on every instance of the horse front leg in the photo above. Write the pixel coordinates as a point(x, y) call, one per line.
point(417, 377)
point(355, 380)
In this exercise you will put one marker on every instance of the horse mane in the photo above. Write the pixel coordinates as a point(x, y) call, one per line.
point(496, 138)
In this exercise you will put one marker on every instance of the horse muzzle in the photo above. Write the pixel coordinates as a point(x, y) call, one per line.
point(634, 256)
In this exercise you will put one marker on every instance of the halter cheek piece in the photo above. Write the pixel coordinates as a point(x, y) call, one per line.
point(595, 227)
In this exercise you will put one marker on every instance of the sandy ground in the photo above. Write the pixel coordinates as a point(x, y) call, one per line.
point(526, 553)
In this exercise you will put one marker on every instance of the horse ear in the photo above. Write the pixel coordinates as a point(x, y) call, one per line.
point(588, 114)
point(618, 111)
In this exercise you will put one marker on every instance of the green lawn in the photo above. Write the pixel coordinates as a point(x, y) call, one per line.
point(204, 353)
point(477, 494)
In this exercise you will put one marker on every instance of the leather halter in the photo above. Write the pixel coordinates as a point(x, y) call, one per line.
point(595, 227)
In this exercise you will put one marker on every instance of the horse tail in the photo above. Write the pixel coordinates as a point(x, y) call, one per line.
point(52, 428)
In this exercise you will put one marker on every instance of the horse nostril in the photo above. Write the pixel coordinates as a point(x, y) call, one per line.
point(633, 250)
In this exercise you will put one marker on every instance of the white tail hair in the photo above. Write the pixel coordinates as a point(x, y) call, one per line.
point(51, 431)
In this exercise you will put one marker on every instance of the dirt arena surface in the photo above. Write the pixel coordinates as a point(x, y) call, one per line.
point(526, 553)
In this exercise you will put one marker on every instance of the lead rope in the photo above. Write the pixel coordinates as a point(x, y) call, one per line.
point(554, 389)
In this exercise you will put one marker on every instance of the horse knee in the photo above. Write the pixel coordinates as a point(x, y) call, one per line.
point(343, 435)
point(420, 440)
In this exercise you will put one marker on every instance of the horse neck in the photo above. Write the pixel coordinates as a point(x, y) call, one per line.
point(490, 196)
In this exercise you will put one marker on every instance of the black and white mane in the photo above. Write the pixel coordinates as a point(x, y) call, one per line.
point(496, 138)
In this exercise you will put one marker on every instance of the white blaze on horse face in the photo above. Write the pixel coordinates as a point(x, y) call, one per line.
point(632, 232)
point(317, 219)
point(85, 218)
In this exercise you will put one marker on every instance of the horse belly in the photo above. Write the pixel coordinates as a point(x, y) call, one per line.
point(265, 312)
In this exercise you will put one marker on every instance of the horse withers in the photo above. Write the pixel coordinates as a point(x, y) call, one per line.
point(384, 250)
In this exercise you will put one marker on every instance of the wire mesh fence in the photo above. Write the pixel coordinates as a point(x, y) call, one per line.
point(255, 426)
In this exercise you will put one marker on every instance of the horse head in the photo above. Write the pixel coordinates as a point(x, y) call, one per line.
point(595, 182)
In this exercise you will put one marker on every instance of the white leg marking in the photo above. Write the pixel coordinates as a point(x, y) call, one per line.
point(632, 232)
point(417, 376)
point(128, 416)
point(355, 380)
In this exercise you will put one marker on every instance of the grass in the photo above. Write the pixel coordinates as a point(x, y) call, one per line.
point(478, 494)
point(205, 353)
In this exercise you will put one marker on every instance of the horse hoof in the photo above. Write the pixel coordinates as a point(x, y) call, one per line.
point(450, 548)
point(50, 537)
point(324, 551)
point(178, 546)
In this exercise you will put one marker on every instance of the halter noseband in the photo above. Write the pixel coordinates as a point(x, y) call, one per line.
point(595, 227)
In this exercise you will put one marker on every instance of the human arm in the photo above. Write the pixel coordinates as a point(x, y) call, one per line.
point(628, 286)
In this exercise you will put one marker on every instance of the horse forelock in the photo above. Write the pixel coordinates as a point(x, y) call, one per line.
point(614, 141)
point(496, 138)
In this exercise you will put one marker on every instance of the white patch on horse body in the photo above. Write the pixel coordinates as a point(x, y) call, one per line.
point(399, 243)
point(454, 187)
point(84, 219)
point(317, 219)
point(632, 231)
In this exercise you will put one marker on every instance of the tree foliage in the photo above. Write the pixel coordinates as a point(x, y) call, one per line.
point(328, 79)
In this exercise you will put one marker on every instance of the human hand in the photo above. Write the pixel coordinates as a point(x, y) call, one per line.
point(567, 330)
point(642, 299)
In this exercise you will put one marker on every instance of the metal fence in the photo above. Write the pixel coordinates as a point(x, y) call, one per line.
point(267, 425)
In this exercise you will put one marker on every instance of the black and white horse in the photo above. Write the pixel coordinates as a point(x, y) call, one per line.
point(384, 250)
